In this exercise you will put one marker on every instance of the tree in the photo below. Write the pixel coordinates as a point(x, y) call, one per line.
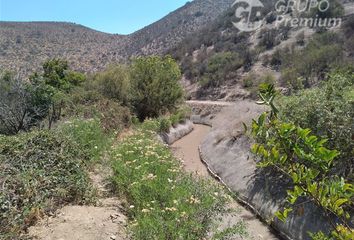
point(50, 87)
point(155, 87)
point(56, 73)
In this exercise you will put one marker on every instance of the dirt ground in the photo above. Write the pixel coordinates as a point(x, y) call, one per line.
point(102, 222)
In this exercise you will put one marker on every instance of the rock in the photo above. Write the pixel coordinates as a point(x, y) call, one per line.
point(177, 132)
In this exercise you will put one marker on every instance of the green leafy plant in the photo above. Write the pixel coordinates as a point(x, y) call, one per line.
point(165, 125)
point(329, 111)
point(114, 83)
point(304, 159)
point(155, 87)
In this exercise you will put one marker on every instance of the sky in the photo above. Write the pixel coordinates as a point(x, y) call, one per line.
point(111, 16)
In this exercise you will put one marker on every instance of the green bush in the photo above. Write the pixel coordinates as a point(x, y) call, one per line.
point(247, 82)
point(155, 86)
point(89, 135)
point(114, 83)
point(268, 39)
point(329, 111)
point(164, 202)
point(184, 112)
point(252, 81)
point(165, 125)
point(218, 67)
point(50, 88)
point(175, 119)
point(90, 104)
point(306, 165)
point(300, 38)
point(44, 170)
point(56, 73)
point(323, 52)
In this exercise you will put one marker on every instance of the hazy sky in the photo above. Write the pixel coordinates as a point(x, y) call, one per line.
point(113, 16)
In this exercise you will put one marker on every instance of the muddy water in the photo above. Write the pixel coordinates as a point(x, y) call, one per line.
point(187, 149)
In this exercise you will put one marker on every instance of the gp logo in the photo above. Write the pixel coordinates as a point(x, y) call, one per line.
point(245, 9)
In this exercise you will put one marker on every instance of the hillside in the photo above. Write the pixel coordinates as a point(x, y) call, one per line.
point(26, 45)
point(219, 62)
point(165, 33)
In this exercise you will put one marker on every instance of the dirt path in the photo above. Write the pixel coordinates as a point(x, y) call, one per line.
point(187, 149)
point(213, 103)
point(102, 222)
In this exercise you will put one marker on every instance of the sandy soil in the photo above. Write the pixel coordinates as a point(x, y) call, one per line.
point(187, 149)
point(101, 222)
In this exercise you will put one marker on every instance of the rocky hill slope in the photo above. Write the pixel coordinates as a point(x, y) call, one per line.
point(26, 45)
point(221, 63)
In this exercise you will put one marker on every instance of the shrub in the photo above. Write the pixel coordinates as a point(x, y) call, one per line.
point(165, 125)
point(253, 81)
point(155, 86)
point(56, 73)
point(43, 170)
point(184, 112)
point(268, 38)
point(89, 135)
point(248, 81)
point(20, 108)
point(114, 83)
point(329, 112)
point(164, 202)
point(113, 117)
point(300, 38)
point(50, 88)
point(276, 59)
point(323, 52)
point(175, 119)
point(292, 80)
point(304, 161)
point(218, 68)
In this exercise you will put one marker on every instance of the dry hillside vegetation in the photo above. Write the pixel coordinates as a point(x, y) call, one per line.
point(26, 46)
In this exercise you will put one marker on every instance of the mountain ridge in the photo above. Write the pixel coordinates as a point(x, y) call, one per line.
point(26, 45)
